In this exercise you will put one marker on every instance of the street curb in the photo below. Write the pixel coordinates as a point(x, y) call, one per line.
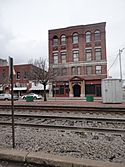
point(52, 160)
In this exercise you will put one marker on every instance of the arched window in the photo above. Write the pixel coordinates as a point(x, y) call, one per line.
point(88, 37)
point(63, 40)
point(55, 40)
point(97, 35)
point(75, 38)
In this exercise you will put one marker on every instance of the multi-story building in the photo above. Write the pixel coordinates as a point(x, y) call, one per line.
point(77, 54)
point(3, 62)
point(21, 78)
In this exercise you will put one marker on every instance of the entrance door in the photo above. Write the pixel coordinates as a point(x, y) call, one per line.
point(98, 90)
point(76, 90)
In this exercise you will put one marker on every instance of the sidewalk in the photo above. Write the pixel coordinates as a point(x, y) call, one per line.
point(41, 158)
point(66, 102)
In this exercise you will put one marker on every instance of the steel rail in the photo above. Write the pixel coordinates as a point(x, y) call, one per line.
point(64, 117)
point(74, 128)
point(64, 108)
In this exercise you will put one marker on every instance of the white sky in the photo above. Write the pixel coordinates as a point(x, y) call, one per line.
point(24, 26)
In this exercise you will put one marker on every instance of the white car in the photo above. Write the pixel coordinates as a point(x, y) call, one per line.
point(7, 96)
point(35, 96)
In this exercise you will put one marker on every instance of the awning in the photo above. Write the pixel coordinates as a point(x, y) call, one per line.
point(20, 88)
point(38, 87)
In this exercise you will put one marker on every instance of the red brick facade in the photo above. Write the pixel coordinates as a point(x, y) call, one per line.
point(21, 76)
point(79, 53)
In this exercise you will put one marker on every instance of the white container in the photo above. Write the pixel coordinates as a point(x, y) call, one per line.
point(111, 91)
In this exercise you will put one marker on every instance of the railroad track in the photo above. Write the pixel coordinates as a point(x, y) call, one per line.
point(106, 109)
point(112, 125)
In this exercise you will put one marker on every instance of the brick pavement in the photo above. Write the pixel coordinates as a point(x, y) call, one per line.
point(65, 103)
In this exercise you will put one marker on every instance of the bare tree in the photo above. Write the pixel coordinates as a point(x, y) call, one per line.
point(41, 73)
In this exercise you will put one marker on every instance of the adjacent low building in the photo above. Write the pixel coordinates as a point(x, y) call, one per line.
point(22, 80)
point(77, 54)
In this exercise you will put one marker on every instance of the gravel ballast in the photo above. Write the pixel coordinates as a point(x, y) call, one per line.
point(89, 145)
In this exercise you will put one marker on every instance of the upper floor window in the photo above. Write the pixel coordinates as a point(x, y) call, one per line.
point(55, 40)
point(64, 71)
point(97, 35)
point(88, 53)
point(18, 75)
point(26, 75)
point(55, 58)
point(89, 70)
point(63, 57)
point(56, 72)
point(98, 69)
point(88, 37)
point(63, 40)
point(75, 55)
point(75, 38)
point(98, 54)
point(75, 70)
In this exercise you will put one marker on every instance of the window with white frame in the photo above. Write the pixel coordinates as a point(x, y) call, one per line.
point(88, 53)
point(89, 70)
point(97, 35)
point(76, 70)
point(55, 41)
point(55, 58)
point(63, 40)
point(88, 37)
point(64, 71)
point(75, 55)
point(98, 54)
point(98, 69)
point(63, 57)
point(73, 71)
point(18, 75)
point(75, 38)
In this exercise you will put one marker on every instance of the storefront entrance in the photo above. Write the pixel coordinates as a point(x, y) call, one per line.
point(77, 90)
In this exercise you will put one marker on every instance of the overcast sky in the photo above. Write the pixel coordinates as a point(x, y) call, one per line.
point(24, 26)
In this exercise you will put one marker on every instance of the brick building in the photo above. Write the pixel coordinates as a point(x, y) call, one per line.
point(78, 55)
point(21, 78)
point(3, 62)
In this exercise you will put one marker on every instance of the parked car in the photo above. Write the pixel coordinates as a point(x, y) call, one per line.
point(35, 96)
point(7, 96)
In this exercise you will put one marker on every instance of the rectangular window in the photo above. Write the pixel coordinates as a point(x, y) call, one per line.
point(75, 55)
point(18, 75)
point(64, 71)
point(98, 69)
point(76, 71)
point(26, 75)
point(88, 54)
point(90, 89)
point(73, 70)
point(98, 54)
point(89, 70)
point(56, 71)
point(55, 58)
point(61, 89)
point(63, 57)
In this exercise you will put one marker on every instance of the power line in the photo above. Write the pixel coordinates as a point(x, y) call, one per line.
point(113, 62)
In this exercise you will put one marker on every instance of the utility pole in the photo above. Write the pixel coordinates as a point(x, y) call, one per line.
point(120, 51)
point(12, 101)
point(120, 64)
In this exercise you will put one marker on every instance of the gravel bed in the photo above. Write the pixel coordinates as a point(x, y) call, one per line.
point(68, 113)
point(89, 145)
point(63, 122)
